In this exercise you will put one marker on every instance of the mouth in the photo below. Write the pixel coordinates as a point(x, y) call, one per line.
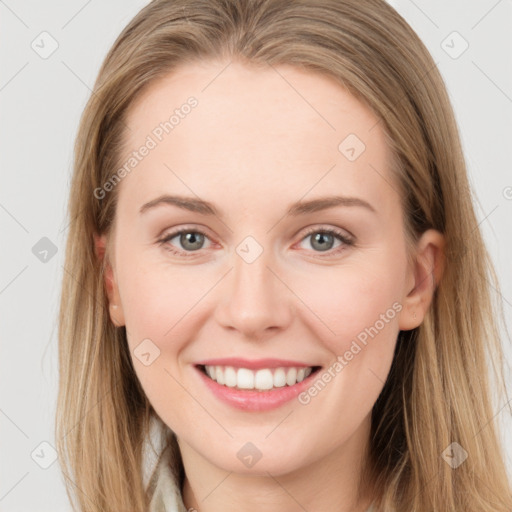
point(262, 379)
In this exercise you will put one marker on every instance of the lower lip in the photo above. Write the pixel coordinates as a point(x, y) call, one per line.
point(253, 400)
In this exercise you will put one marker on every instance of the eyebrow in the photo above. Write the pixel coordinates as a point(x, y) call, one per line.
point(300, 208)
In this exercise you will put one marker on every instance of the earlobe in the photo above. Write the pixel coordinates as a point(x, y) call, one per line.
point(116, 315)
point(427, 273)
point(110, 283)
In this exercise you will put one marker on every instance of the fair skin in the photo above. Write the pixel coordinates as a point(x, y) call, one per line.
point(252, 147)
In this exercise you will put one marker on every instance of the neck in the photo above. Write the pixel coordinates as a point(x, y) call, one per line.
point(326, 483)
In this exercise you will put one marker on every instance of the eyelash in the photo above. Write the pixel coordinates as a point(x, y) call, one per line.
point(346, 241)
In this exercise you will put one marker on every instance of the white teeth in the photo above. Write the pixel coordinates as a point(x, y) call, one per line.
point(291, 376)
point(230, 377)
point(245, 378)
point(219, 374)
point(264, 379)
point(279, 378)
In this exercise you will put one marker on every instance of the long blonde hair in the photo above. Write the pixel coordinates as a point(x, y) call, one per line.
point(438, 390)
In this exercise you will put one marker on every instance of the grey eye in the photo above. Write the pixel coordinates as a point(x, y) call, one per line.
point(191, 241)
point(322, 241)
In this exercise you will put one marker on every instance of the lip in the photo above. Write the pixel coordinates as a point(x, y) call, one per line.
point(254, 400)
point(255, 364)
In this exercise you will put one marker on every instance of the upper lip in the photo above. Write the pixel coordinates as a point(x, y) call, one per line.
point(253, 364)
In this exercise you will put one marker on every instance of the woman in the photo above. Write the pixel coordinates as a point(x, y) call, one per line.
point(274, 264)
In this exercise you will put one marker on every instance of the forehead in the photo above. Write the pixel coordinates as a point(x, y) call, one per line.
point(254, 131)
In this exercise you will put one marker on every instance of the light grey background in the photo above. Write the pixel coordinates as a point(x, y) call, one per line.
point(41, 100)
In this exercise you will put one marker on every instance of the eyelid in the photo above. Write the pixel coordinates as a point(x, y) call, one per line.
point(164, 239)
point(183, 227)
point(346, 239)
point(342, 233)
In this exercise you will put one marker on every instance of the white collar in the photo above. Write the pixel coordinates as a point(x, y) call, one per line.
point(167, 494)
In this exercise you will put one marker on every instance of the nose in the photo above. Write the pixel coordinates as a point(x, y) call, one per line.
point(255, 301)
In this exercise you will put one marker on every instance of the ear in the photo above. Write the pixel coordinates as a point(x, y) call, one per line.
point(423, 278)
point(115, 307)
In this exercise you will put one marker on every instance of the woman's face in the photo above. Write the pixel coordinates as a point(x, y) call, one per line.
point(292, 256)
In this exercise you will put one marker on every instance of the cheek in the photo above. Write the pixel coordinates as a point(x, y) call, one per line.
point(157, 298)
point(361, 307)
point(158, 304)
point(356, 301)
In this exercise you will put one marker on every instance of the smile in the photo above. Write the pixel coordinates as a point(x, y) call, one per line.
point(263, 379)
point(266, 384)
